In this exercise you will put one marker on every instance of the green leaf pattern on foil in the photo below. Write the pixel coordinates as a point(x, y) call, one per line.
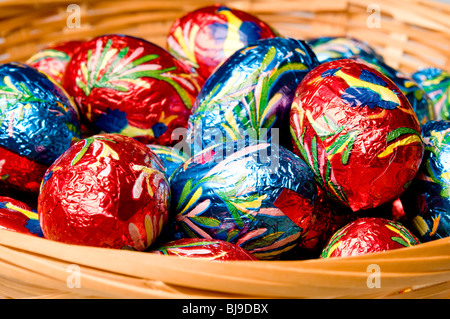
point(122, 71)
point(250, 105)
point(242, 207)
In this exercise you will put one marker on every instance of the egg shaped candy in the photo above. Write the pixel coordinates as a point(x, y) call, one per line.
point(209, 249)
point(368, 235)
point(53, 60)
point(107, 191)
point(256, 195)
point(171, 157)
point(357, 132)
point(250, 94)
point(19, 217)
point(334, 48)
point(436, 83)
point(132, 87)
point(427, 201)
point(38, 122)
point(206, 37)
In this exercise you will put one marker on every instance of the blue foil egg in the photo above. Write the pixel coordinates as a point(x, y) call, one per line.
point(38, 119)
point(259, 196)
point(334, 48)
point(250, 94)
point(170, 157)
point(436, 83)
point(427, 201)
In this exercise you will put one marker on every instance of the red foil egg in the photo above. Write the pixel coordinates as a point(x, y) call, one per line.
point(206, 37)
point(53, 60)
point(368, 235)
point(210, 249)
point(129, 86)
point(358, 133)
point(107, 190)
point(328, 217)
point(20, 172)
point(19, 217)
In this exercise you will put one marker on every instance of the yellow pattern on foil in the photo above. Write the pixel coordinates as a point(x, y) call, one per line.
point(187, 49)
point(193, 199)
point(420, 224)
point(395, 230)
point(233, 39)
point(406, 141)
point(386, 93)
point(29, 214)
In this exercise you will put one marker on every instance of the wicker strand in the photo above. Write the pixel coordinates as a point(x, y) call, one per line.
point(412, 34)
point(344, 277)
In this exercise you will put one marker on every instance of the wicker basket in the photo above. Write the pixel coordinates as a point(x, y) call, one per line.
point(410, 34)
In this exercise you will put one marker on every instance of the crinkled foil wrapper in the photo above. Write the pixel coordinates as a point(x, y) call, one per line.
point(130, 86)
point(108, 191)
point(358, 133)
point(209, 249)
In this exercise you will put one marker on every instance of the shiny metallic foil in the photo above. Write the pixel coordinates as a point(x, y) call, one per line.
point(334, 48)
point(368, 235)
point(108, 191)
point(171, 157)
point(256, 195)
point(53, 60)
point(208, 249)
point(436, 83)
point(38, 122)
point(129, 86)
point(19, 217)
point(250, 94)
point(357, 132)
point(205, 38)
point(427, 200)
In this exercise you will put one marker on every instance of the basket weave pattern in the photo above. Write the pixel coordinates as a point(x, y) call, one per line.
point(409, 34)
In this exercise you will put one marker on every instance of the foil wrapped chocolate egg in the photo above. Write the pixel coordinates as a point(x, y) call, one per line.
point(132, 87)
point(209, 249)
point(334, 48)
point(357, 132)
point(107, 190)
point(171, 157)
point(256, 195)
point(436, 83)
point(38, 122)
point(53, 59)
point(206, 37)
point(427, 201)
point(368, 235)
point(19, 217)
point(250, 94)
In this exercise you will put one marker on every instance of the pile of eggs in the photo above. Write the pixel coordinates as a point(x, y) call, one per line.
point(232, 143)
